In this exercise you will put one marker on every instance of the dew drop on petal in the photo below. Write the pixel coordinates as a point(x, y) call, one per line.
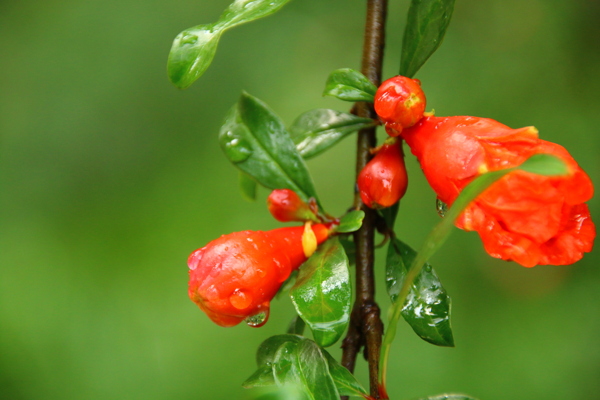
point(259, 319)
point(441, 207)
point(240, 299)
point(195, 258)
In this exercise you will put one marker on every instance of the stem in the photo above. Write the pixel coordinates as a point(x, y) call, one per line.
point(434, 240)
point(366, 328)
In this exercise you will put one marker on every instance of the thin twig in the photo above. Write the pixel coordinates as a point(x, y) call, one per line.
point(366, 328)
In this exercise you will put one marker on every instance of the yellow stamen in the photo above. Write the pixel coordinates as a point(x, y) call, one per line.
point(309, 240)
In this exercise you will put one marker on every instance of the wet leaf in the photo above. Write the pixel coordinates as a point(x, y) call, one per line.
point(247, 186)
point(255, 140)
point(295, 362)
point(351, 222)
point(349, 85)
point(425, 29)
point(345, 382)
point(322, 293)
point(317, 130)
point(194, 49)
point(427, 308)
point(267, 349)
point(315, 372)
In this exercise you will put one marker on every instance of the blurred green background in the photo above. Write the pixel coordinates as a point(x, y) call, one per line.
point(110, 177)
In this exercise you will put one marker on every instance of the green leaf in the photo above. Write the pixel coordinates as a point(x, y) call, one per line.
point(194, 49)
point(191, 53)
point(345, 382)
point(247, 186)
point(449, 397)
point(351, 222)
point(317, 130)
point(255, 140)
point(262, 377)
point(315, 372)
point(322, 293)
point(267, 349)
point(425, 28)
point(545, 164)
point(242, 11)
point(349, 85)
point(427, 307)
point(296, 326)
point(295, 362)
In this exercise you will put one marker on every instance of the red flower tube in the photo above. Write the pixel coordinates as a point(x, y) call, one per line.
point(236, 276)
point(524, 217)
point(383, 181)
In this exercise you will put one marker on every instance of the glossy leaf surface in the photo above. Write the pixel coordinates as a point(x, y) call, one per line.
point(322, 293)
point(317, 130)
point(247, 186)
point(349, 85)
point(315, 372)
point(449, 397)
point(297, 362)
point(194, 49)
point(426, 26)
point(427, 308)
point(345, 382)
point(351, 222)
point(255, 140)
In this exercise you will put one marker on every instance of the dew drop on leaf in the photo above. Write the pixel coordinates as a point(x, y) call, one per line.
point(188, 38)
point(236, 148)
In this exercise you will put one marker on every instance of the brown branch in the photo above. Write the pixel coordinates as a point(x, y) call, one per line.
point(366, 328)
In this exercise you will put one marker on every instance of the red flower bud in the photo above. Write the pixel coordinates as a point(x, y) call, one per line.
point(234, 278)
point(383, 181)
point(285, 205)
point(528, 218)
point(400, 103)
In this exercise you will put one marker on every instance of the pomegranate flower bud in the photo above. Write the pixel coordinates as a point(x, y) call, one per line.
point(528, 218)
point(234, 278)
point(400, 103)
point(285, 205)
point(383, 181)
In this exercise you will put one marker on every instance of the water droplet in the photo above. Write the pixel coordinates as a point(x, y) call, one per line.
point(240, 299)
point(259, 319)
point(188, 38)
point(195, 258)
point(427, 267)
point(441, 207)
point(236, 148)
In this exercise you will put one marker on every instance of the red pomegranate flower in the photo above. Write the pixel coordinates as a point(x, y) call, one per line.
point(524, 217)
point(234, 278)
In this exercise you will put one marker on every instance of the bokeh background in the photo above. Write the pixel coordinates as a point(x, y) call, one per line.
point(110, 177)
